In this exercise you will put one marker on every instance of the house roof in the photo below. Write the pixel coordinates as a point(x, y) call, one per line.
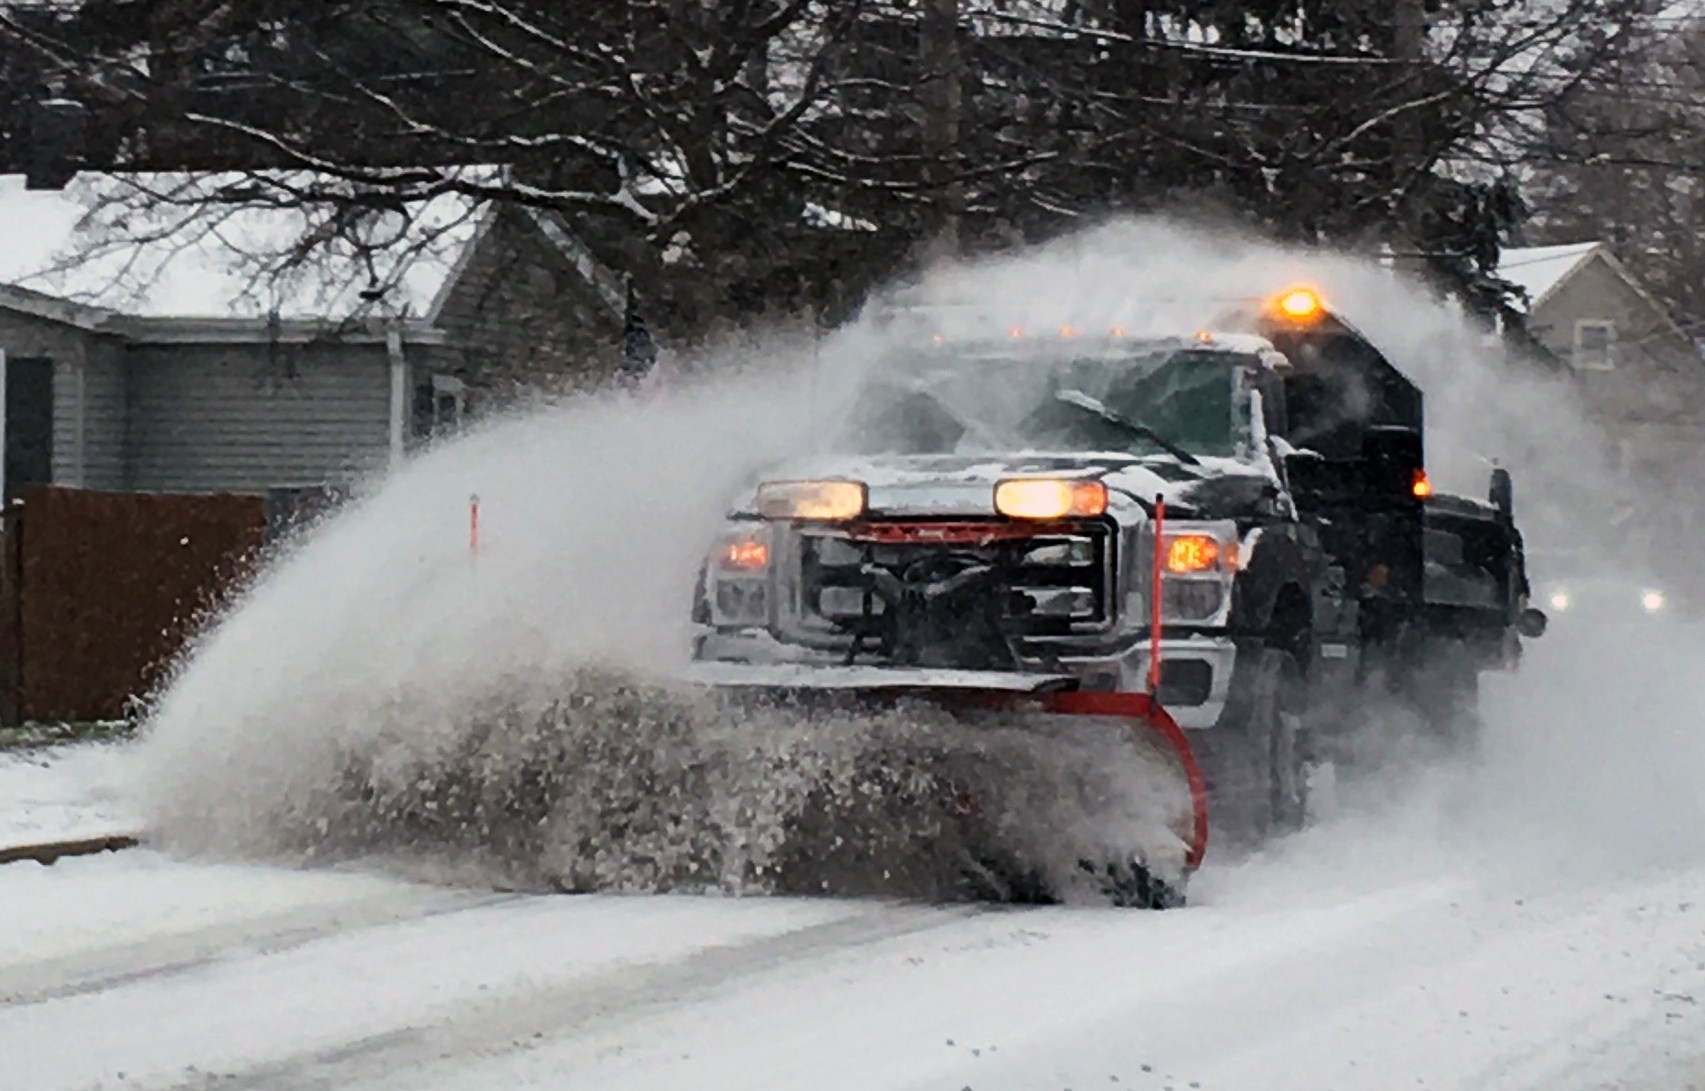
point(225, 247)
point(1538, 270)
point(1541, 270)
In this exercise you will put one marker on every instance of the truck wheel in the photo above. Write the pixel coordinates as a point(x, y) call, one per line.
point(1446, 694)
point(1255, 758)
point(1289, 769)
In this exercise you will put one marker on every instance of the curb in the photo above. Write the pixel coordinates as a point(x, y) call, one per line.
point(47, 852)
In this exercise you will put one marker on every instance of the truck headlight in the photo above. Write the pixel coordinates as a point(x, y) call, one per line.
point(739, 577)
point(1050, 498)
point(1192, 553)
point(822, 501)
point(744, 551)
point(1198, 564)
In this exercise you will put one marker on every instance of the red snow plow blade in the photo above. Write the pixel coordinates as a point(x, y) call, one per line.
point(1152, 724)
point(1110, 776)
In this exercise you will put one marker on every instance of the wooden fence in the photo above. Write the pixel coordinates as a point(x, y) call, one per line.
point(99, 591)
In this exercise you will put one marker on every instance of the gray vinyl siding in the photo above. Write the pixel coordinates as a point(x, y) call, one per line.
point(88, 419)
point(245, 418)
point(524, 316)
point(1657, 371)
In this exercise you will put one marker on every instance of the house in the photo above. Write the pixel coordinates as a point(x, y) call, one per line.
point(168, 333)
point(1639, 376)
point(1638, 372)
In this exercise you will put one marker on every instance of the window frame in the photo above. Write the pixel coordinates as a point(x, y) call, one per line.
point(457, 391)
point(1578, 358)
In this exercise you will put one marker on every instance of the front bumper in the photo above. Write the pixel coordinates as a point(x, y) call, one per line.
point(1196, 671)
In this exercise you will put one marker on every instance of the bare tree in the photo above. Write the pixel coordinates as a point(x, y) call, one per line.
point(734, 155)
point(1620, 161)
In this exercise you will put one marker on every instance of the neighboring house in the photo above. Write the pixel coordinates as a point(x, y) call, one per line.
point(164, 347)
point(1635, 367)
point(1639, 375)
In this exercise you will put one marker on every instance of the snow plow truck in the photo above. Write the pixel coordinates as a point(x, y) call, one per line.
point(1216, 549)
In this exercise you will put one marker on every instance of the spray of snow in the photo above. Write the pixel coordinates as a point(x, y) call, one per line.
point(386, 692)
point(380, 690)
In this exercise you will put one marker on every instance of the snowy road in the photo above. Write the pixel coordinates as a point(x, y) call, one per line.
point(200, 976)
point(1534, 922)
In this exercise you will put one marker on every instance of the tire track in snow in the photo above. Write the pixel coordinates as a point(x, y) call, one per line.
point(528, 1019)
point(156, 957)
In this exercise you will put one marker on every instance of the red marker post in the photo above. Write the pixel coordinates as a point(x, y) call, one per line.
point(1154, 594)
point(474, 525)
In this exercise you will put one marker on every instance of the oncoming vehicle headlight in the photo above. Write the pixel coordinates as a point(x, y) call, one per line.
point(1560, 601)
point(1652, 600)
point(821, 501)
point(1050, 498)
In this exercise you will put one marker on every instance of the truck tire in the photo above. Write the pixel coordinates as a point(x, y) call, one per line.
point(1444, 690)
point(1291, 746)
point(1254, 760)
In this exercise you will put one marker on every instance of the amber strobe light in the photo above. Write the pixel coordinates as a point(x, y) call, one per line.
point(1421, 486)
point(1300, 303)
point(1049, 498)
point(826, 501)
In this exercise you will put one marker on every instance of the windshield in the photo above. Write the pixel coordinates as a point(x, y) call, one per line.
point(1146, 402)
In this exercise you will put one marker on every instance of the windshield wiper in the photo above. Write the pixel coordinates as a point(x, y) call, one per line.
point(1079, 400)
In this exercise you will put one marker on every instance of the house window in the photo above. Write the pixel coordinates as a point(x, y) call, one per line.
point(1595, 345)
point(439, 405)
point(29, 421)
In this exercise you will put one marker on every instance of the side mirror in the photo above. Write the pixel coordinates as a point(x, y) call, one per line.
point(1307, 475)
point(1531, 623)
point(1502, 491)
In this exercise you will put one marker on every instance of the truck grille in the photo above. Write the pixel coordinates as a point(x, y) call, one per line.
point(1029, 581)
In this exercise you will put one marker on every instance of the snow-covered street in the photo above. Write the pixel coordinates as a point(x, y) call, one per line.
point(1471, 930)
point(156, 974)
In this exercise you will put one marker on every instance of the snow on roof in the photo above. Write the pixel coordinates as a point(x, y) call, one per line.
point(1540, 269)
point(236, 245)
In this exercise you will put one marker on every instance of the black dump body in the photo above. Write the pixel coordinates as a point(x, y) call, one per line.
point(1340, 387)
point(1424, 564)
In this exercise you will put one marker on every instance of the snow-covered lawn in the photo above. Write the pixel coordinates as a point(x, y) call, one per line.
point(64, 792)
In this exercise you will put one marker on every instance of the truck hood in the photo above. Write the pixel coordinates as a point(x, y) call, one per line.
point(947, 485)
